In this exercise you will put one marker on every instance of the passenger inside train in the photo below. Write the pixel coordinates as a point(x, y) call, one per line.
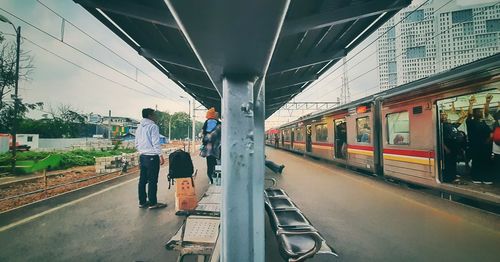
point(469, 149)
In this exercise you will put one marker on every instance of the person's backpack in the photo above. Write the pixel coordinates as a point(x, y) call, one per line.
point(496, 135)
point(180, 165)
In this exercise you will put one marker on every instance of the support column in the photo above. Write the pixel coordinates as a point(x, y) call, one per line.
point(242, 179)
point(259, 172)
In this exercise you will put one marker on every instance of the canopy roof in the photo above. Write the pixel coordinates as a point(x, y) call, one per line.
point(193, 42)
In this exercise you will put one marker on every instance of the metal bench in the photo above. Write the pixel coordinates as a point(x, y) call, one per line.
point(199, 233)
point(297, 238)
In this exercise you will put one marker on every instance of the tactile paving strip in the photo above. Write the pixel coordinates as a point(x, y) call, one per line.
point(201, 230)
point(214, 189)
point(208, 207)
point(211, 199)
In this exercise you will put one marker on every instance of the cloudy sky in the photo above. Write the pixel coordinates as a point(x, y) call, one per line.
point(55, 81)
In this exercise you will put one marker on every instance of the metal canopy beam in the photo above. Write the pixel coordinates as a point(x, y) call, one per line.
point(280, 84)
point(282, 92)
point(171, 59)
point(277, 67)
point(341, 15)
point(128, 9)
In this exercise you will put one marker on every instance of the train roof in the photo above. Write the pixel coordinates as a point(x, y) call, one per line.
point(468, 73)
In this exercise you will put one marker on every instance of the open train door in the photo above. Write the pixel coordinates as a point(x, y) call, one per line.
point(308, 138)
point(340, 138)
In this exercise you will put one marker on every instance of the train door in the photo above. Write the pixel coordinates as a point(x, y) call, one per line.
point(461, 138)
point(292, 134)
point(282, 139)
point(340, 138)
point(308, 138)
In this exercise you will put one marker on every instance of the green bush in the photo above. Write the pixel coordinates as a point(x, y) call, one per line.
point(68, 159)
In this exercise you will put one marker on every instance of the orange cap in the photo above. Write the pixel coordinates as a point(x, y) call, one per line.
point(211, 113)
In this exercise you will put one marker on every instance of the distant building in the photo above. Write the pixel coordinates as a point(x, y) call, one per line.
point(437, 37)
point(120, 125)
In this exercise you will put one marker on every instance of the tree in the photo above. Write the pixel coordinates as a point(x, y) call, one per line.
point(181, 124)
point(8, 68)
point(7, 114)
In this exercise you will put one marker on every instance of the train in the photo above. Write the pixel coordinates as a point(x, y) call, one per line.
point(397, 133)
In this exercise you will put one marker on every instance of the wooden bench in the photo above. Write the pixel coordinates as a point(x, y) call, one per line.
point(297, 238)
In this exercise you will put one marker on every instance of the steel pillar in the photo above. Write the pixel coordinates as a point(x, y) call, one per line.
point(242, 171)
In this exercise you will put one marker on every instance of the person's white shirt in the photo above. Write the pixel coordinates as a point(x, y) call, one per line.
point(147, 138)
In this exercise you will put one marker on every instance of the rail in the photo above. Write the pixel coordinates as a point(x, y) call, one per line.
point(46, 188)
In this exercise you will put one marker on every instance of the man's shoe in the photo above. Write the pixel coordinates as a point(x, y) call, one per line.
point(157, 205)
point(487, 182)
point(144, 205)
point(476, 181)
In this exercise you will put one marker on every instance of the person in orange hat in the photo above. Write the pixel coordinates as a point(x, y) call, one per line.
point(211, 141)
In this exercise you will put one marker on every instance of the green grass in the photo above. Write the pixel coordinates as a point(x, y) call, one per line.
point(32, 161)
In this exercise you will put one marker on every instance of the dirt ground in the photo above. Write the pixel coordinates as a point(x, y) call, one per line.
point(61, 178)
point(12, 196)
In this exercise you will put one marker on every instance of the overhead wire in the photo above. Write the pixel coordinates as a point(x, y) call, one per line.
point(84, 53)
point(86, 69)
point(334, 70)
point(432, 38)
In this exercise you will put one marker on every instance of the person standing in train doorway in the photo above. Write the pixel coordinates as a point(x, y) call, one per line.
point(211, 142)
point(452, 139)
point(147, 143)
point(480, 141)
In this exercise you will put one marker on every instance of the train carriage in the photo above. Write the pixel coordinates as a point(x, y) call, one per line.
point(398, 133)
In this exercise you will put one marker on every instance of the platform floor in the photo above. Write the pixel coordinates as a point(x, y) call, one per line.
point(371, 220)
point(364, 219)
point(108, 226)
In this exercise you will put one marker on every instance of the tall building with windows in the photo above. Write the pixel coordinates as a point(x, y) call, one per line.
point(436, 37)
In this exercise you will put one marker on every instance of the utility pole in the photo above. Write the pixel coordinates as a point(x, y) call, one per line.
point(189, 113)
point(109, 125)
point(170, 128)
point(193, 126)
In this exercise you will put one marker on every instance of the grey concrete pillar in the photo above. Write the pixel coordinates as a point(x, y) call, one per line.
point(242, 179)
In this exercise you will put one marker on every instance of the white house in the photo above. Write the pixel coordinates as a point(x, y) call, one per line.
point(31, 140)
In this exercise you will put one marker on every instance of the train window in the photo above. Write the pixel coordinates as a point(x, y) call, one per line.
point(398, 128)
point(299, 134)
point(321, 133)
point(363, 129)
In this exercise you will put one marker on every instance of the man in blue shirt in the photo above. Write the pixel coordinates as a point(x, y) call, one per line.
point(147, 142)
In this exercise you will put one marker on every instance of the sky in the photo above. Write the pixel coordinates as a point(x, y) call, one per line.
point(57, 82)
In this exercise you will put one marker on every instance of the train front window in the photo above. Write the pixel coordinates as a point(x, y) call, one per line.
point(398, 128)
point(363, 130)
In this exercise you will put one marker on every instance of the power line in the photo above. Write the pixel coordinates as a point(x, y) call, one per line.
point(85, 69)
point(432, 38)
point(82, 52)
point(101, 44)
point(331, 72)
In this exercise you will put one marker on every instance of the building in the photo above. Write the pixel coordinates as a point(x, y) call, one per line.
point(440, 35)
point(120, 125)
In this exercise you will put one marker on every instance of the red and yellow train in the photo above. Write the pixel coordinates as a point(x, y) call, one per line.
point(397, 133)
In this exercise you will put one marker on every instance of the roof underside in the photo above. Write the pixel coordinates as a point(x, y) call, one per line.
point(314, 36)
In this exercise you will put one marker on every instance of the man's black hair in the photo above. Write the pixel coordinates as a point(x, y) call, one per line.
point(147, 112)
